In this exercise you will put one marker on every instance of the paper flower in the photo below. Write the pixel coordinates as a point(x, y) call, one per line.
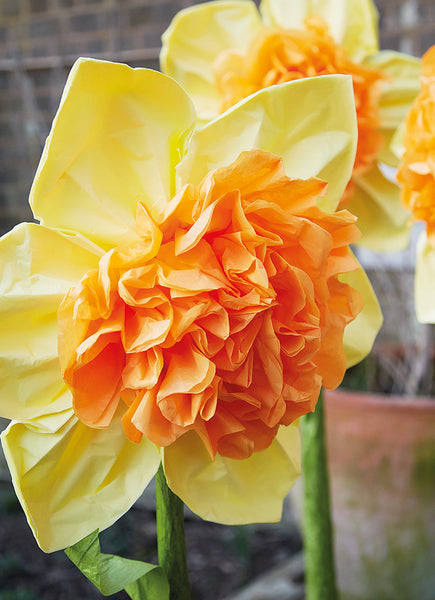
point(223, 51)
point(417, 176)
point(181, 300)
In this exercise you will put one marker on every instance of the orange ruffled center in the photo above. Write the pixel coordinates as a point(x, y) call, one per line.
point(277, 56)
point(417, 169)
point(225, 317)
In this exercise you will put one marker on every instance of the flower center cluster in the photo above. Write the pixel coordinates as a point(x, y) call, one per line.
point(280, 55)
point(417, 169)
point(225, 316)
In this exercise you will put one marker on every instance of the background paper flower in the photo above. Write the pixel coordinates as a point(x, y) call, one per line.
point(417, 176)
point(179, 270)
point(224, 50)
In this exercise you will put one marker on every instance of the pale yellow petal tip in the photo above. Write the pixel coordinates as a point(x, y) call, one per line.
point(360, 334)
point(103, 155)
point(399, 90)
point(16, 482)
point(353, 23)
point(383, 238)
point(196, 37)
point(181, 19)
point(382, 219)
point(230, 491)
point(425, 281)
point(66, 490)
point(397, 145)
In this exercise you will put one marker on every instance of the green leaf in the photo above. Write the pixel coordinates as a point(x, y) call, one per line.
point(153, 586)
point(111, 574)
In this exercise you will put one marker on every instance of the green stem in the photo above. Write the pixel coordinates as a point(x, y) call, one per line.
point(318, 541)
point(170, 538)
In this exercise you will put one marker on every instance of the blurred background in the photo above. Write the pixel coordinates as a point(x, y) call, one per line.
point(39, 42)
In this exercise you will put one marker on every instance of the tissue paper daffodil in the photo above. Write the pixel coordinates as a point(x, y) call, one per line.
point(182, 299)
point(417, 176)
point(223, 51)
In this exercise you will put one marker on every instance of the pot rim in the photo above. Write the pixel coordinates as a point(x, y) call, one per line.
point(373, 399)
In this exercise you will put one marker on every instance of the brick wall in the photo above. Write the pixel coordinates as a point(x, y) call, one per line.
point(407, 25)
point(40, 40)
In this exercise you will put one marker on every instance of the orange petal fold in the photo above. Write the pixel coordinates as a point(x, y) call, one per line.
point(226, 319)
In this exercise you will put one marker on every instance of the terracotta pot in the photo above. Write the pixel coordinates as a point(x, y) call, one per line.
point(382, 469)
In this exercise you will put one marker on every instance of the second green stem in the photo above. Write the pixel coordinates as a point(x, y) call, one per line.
point(318, 541)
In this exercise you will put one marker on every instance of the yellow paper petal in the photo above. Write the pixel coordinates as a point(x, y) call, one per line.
point(396, 145)
point(114, 143)
point(382, 218)
point(37, 267)
point(360, 334)
point(234, 491)
point(77, 479)
point(353, 23)
point(310, 123)
point(425, 281)
point(195, 38)
point(398, 92)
